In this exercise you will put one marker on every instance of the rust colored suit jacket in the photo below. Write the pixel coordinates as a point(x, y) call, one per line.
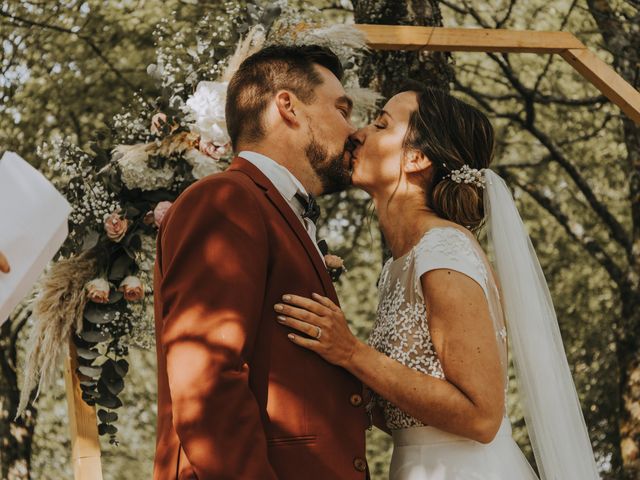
point(236, 398)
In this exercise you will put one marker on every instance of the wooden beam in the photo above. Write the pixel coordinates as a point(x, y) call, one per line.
point(606, 80)
point(85, 444)
point(404, 37)
point(601, 75)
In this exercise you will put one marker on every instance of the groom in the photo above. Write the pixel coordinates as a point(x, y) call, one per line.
point(236, 398)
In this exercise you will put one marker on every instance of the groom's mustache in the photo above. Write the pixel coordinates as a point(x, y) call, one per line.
point(350, 145)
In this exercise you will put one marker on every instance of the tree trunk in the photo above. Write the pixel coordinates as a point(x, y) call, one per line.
point(629, 361)
point(622, 40)
point(386, 71)
point(15, 436)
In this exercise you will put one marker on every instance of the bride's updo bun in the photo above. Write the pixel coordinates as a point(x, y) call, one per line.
point(452, 134)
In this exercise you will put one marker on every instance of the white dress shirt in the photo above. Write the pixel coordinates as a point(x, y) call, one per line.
point(287, 185)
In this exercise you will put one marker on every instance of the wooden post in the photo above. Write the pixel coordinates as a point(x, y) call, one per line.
point(85, 444)
point(606, 80)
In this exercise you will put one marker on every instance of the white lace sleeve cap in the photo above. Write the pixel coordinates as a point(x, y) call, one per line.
point(449, 248)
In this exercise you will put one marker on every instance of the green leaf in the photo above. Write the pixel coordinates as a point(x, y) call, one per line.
point(106, 429)
point(95, 336)
point(107, 417)
point(115, 296)
point(120, 267)
point(121, 367)
point(92, 372)
point(90, 240)
point(115, 386)
point(87, 354)
point(130, 212)
point(98, 315)
point(109, 401)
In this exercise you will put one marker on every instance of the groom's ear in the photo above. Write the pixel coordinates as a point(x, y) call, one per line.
point(285, 103)
point(415, 161)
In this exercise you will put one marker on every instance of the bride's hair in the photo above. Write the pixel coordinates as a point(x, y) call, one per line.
point(451, 133)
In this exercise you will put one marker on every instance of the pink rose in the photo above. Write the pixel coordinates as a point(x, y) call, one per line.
point(211, 149)
point(333, 261)
point(98, 290)
point(116, 226)
point(132, 288)
point(158, 121)
point(160, 211)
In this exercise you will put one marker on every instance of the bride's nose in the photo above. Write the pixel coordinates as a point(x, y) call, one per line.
point(359, 137)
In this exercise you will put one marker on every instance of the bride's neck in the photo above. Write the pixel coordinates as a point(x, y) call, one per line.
point(403, 219)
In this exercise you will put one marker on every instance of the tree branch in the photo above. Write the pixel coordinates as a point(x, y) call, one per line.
point(88, 41)
point(587, 242)
point(618, 233)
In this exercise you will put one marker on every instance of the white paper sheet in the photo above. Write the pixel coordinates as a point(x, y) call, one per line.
point(33, 226)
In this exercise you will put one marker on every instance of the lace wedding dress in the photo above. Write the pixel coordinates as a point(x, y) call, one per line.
point(402, 332)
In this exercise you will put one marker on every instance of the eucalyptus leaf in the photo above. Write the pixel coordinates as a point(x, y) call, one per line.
point(90, 240)
point(115, 386)
point(97, 315)
point(92, 372)
point(107, 417)
point(121, 367)
point(120, 268)
point(115, 296)
point(106, 429)
point(87, 354)
point(95, 336)
point(109, 401)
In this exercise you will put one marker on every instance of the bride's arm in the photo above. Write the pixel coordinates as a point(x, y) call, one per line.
point(469, 402)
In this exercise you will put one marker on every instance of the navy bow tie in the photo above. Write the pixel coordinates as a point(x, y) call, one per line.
point(311, 208)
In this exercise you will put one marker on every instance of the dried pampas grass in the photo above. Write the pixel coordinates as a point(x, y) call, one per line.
point(176, 143)
point(251, 44)
point(57, 310)
point(365, 100)
point(337, 37)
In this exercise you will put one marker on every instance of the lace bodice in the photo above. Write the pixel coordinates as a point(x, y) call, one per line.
point(401, 330)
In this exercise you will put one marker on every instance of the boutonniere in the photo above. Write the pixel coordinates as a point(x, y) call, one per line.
point(335, 264)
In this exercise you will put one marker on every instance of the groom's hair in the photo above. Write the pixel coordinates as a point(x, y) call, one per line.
point(263, 74)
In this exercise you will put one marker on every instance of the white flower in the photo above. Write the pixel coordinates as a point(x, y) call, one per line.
point(136, 173)
point(206, 107)
point(98, 290)
point(202, 164)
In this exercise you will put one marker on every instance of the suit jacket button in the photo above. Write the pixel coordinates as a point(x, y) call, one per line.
point(359, 464)
point(356, 400)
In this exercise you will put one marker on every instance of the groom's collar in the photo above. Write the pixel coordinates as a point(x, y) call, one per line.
point(286, 183)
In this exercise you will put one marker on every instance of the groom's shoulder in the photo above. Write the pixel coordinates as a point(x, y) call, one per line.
point(225, 189)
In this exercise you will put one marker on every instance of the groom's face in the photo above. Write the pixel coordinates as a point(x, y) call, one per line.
point(328, 128)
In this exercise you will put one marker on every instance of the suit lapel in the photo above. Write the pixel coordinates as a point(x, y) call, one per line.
point(244, 166)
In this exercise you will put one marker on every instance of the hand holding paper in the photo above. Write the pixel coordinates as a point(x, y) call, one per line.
point(4, 264)
point(34, 218)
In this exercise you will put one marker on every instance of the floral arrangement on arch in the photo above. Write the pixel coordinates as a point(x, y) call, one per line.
point(98, 293)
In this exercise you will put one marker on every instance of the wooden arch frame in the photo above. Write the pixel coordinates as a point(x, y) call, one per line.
point(85, 444)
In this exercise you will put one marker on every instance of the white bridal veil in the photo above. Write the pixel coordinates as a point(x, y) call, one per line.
point(552, 411)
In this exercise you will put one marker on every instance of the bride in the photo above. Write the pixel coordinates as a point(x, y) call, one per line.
point(436, 359)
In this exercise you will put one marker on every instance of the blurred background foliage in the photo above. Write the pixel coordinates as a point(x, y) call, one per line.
point(68, 66)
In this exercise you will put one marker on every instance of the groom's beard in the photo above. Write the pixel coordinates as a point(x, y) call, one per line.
point(331, 170)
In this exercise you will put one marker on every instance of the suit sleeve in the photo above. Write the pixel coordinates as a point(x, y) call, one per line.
point(214, 270)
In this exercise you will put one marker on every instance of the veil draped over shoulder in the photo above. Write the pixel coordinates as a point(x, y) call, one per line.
point(553, 415)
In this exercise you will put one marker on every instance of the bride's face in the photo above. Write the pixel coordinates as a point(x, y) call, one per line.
point(378, 157)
